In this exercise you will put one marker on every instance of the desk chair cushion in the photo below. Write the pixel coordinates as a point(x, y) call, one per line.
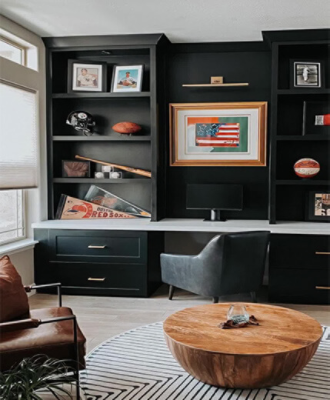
point(14, 302)
point(53, 339)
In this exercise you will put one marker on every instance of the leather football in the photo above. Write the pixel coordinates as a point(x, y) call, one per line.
point(306, 168)
point(126, 128)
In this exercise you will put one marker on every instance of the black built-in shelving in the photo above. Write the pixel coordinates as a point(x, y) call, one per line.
point(146, 108)
point(288, 193)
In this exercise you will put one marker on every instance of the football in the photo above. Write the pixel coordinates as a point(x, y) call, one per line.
point(306, 168)
point(126, 128)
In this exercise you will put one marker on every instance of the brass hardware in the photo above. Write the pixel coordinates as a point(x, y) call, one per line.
point(97, 279)
point(322, 287)
point(96, 247)
point(325, 253)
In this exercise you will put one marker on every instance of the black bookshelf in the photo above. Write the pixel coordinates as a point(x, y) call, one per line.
point(146, 108)
point(287, 192)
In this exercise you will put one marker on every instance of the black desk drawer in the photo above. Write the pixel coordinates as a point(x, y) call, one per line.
point(300, 251)
point(95, 246)
point(299, 286)
point(124, 278)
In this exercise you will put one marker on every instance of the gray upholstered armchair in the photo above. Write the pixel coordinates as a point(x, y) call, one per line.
point(230, 263)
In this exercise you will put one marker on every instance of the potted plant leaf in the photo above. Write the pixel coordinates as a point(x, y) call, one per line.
point(34, 377)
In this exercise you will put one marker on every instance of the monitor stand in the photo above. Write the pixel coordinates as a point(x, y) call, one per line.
point(215, 216)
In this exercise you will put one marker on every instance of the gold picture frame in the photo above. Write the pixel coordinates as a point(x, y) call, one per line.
point(218, 134)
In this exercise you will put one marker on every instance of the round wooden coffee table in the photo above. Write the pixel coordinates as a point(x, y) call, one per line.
point(247, 358)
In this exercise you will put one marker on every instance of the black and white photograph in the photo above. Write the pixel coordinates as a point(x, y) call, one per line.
point(87, 77)
point(318, 208)
point(307, 74)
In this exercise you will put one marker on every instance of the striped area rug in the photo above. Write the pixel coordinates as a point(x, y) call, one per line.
point(137, 365)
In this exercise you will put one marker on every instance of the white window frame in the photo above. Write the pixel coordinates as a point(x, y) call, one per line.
point(24, 197)
point(23, 237)
point(18, 46)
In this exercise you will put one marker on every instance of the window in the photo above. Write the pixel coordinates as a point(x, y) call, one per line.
point(18, 137)
point(12, 226)
point(12, 51)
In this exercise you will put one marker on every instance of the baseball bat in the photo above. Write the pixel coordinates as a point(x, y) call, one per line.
point(123, 167)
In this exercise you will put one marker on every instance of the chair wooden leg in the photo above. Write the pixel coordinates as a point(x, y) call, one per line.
point(215, 299)
point(170, 292)
point(254, 297)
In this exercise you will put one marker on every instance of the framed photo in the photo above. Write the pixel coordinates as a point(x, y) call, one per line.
point(127, 78)
point(316, 118)
point(218, 134)
point(318, 206)
point(86, 77)
point(306, 74)
point(76, 169)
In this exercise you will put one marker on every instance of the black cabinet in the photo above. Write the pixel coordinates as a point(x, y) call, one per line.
point(299, 269)
point(118, 263)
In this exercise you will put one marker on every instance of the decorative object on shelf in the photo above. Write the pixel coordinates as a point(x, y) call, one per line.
point(137, 171)
point(127, 78)
point(72, 208)
point(318, 206)
point(76, 169)
point(218, 134)
point(81, 121)
point(127, 128)
point(116, 175)
point(86, 76)
point(104, 198)
point(99, 175)
point(306, 168)
point(316, 117)
point(216, 81)
point(306, 74)
point(106, 169)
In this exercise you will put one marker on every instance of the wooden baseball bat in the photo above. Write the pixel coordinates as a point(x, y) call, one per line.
point(123, 167)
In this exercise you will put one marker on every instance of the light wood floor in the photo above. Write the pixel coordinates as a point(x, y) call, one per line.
point(103, 317)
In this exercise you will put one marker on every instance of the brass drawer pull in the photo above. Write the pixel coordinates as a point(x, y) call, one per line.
point(325, 253)
point(97, 279)
point(322, 287)
point(96, 247)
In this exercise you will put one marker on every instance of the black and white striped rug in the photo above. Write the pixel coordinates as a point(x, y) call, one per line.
point(137, 365)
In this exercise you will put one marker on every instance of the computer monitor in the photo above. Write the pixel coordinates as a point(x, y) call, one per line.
point(214, 197)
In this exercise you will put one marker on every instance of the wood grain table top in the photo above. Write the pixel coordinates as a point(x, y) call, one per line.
point(280, 330)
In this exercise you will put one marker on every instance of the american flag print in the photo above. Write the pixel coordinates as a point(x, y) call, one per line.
point(226, 134)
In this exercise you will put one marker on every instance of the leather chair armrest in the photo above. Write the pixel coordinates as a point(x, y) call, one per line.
point(12, 326)
point(29, 288)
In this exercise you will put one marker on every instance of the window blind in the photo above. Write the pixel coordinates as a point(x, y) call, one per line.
point(18, 137)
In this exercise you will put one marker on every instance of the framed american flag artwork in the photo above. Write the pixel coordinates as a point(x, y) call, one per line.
point(218, 134)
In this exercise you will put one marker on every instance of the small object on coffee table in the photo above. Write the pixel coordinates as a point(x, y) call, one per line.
point(251, 358)
point(231, 324)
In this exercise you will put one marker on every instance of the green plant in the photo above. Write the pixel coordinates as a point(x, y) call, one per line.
point(34, 374)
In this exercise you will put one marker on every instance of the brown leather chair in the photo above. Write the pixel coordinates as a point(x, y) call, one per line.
point(24, 332)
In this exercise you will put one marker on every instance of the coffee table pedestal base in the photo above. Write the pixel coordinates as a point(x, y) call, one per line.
point(241, 371)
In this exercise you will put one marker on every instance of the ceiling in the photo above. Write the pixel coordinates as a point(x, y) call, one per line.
point(180, 20)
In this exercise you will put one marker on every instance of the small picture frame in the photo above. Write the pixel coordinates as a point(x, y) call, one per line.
point(127, 78)
point(76, 169)
point(318, 206)
point(87, 76)
point(316, 118)
point(306, 74)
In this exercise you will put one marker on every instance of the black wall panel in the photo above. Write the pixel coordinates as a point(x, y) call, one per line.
point(239, 62)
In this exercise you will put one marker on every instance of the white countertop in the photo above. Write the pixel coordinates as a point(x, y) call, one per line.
point(188, 225)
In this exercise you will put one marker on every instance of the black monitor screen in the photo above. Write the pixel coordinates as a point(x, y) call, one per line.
point(216, 197)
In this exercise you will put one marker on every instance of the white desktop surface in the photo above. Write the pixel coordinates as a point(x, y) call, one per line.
point(188, 225)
